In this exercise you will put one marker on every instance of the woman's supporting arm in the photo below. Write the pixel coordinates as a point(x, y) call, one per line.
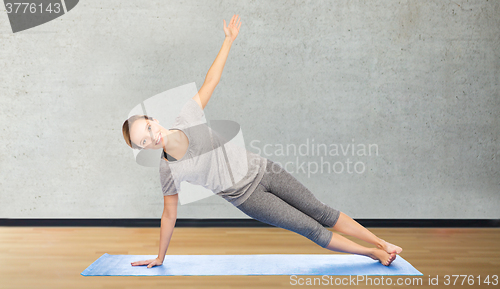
point(166, 231)
point(168, 219)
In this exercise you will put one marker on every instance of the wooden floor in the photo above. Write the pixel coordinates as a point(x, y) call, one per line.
point(54, 257)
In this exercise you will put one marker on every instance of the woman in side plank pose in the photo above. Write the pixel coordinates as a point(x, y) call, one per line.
point(264, 190)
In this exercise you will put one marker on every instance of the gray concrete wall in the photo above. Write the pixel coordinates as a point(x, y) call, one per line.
point(418, 80)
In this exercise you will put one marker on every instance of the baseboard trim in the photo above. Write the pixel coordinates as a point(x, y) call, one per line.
point(372, 223)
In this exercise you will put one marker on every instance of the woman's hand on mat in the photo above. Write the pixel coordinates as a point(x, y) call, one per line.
point(150, 263)
point(233, 28)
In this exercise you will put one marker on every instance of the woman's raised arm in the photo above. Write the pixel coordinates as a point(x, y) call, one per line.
point(214, 73)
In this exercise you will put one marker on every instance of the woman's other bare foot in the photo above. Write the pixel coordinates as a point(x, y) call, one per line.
point(389, 248)
point(384, 257)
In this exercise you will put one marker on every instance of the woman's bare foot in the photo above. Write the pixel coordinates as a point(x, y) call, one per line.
point(389, 248)
point(384, 257)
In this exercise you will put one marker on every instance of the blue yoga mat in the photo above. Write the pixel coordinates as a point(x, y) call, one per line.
point(273, 264)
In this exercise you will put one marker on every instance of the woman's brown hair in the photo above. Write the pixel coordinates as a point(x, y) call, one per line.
point(126, 129)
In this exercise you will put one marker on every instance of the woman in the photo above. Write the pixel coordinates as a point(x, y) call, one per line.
point(263, 190)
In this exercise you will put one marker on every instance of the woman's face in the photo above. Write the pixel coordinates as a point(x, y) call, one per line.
point(148, 134)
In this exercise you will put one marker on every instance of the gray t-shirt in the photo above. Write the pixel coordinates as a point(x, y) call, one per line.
point(211, 161)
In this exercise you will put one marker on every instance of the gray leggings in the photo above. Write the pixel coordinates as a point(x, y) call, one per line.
point(281, 200)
